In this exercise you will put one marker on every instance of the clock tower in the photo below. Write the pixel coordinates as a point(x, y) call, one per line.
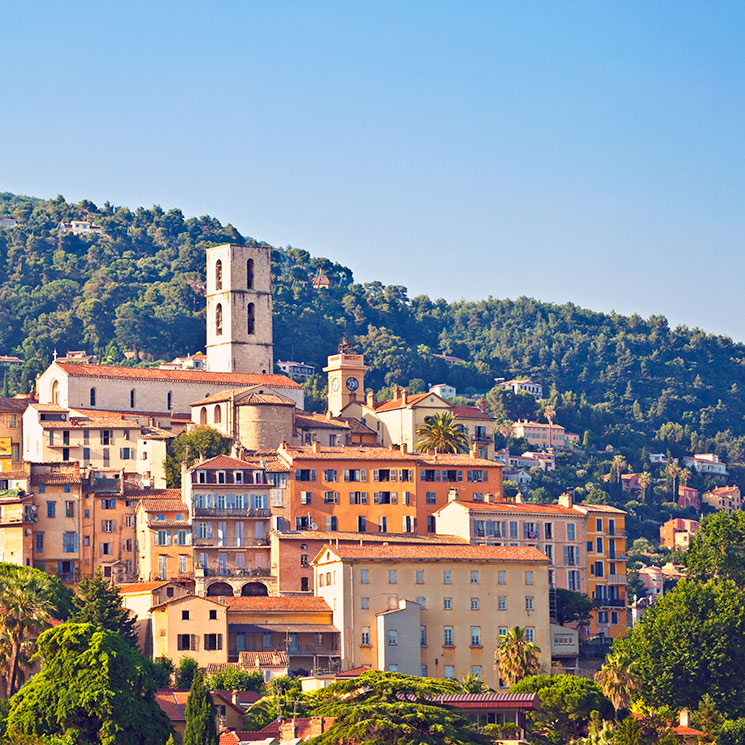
point(346, 375)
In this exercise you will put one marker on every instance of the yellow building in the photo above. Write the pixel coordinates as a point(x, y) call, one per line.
point(18, 516)
point(606, 559)
point(11, 432)
point(433, 610)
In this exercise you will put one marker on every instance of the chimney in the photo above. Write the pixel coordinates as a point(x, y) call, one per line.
point(566, 500)
point(685, 718)
point(236, 699)
point(474, 451)
point(489, 498)
point(482, 405)
point(287, 730)
point(371, 399)
point(403, 396)
point(519, 498)
point(404, 448)
point(316, 446)
point(453, 495)
point(396, 391)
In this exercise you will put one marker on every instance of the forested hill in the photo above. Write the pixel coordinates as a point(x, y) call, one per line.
point(622, 380)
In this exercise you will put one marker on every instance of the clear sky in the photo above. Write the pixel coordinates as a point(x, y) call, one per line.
point(583, 151)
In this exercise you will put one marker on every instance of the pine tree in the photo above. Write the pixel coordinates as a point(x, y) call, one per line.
point(201, 728)
point(101, 604)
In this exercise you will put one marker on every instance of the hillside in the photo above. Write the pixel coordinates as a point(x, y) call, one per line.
point(626, 382)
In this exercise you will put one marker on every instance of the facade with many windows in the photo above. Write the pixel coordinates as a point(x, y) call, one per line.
point(433, 610)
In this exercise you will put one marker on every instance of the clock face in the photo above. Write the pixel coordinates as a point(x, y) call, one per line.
point(335, 384)
point(353, 384)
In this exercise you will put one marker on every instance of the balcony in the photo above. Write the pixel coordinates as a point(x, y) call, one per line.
point(617, 579)
point(610, 602)
point(231, 542)
point(214, 569)
point(241, 512)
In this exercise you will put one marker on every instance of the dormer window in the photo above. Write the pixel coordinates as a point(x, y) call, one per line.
point(238, 477)
point(160, 517)
point(221, 477)
point(202, 477)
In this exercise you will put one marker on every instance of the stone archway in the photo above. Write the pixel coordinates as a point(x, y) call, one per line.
point(254, 589)
point(219, 588)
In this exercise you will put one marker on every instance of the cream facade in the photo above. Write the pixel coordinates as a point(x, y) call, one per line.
point(450, 602)
point(11, 432)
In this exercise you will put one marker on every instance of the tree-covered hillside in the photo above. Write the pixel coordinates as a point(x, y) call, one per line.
point(628, 382)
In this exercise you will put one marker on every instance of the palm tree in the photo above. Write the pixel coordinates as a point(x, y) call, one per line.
point(617, 680)
point(673, 471)
point(645, 481)
point(516, 657)
point(25, 611)
point(619, 465)
point(472, 683)
point(441, 434)
point(685, 476)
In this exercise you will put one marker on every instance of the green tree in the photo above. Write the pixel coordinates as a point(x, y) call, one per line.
point(59, 594)
point(162, 672)
point(618, 680)
point(472, 683)
point(25, 611)
point(732, 732)
point(233, 679)
point(201, 727)
point(93, 687)
point(516, 657)
point(381, 708)
point(199, 444)
point(187, 667)
point(567, 703)
point(100, 603)
point(573, 607)
point(440, 433)
point(716, 551)
point(689, 643)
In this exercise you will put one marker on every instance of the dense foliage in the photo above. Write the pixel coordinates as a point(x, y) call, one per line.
point(93, 687)
point(626, 381)
point(201, 728)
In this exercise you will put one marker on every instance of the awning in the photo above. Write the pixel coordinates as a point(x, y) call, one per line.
point(285, 628)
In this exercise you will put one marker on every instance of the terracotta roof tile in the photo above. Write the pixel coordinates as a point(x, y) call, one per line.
point(221, 462)
point(136, 587)
point(471, 412)
point(14, 405)
point(351, 453)
point(276, 604)
point(353, 537)
point(308, 419)
point(169, 501)
point(193, 376)
point(398, 403)
point(439, 552)
point(251, 395)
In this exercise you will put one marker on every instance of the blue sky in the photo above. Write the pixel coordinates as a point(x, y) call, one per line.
point(590, 152)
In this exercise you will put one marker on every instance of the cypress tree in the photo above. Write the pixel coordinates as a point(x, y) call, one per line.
point(201, 728)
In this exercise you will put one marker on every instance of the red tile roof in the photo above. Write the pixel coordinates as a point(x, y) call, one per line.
point(170, 501)
point(309, 419)
point(223, 462)
point(354, 537)
point(398, 403)
point(189, 376)
point(173, 704)
point(438, 553)
point(509, 507)
point(471, 412)
point(276, 604)
point(14, 405)
point(350, 453)
point(251, 395)
point(136, 587)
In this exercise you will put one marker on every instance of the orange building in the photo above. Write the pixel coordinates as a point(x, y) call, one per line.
point(380, 490)
point(678, 533)
point(163, 537)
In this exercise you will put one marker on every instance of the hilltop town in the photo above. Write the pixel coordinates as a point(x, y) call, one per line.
point(288, 523)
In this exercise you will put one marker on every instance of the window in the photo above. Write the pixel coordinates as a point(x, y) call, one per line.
point(357, 497)
point(447, 636)
point(599, 524)
point(303, 560)
point(267, 640)
point(51, 509)
point(476, 670)
point(501, 577)
point(474, 603)
point(599, 545)
point(40, 542)
point(365, 603)
point(361, 524)
point(218, 275)
point(106, 458)
point(530, 634)
point(250, 319)
point(186, 641)
point(611, 526)
point(548, 531)
point(571, 532)
point(599, 569)
point(355, 474)
point(213, 641)
point(184, 615)
point(513, 528)
point(430, 497)
point(571, 555)
point(447, 577)
point(365, 636)
point(105, 436)
point(382, 524)
point(420, 576)
point(305, 474)
point(529, 577)
point(392, 638)
point(422, 636)
point(218, 414)
point(93, 396)
point(304, 584)
point(447, 604)
point(422, 602)
point(108, 526)
point(330, 474)
point(69, 543)
point(548, 549)
point(126, 454)
point(528, 602)
point(450, 671)
point(475, 636)
point(502, 602)
point(69, 509)
point(364, 576)
point(86, 455)
point(474, 576)
point(573, 579)
point(213, 615)
point(305, 497)
point(330, 522)
point(430, 523)
point(182, 565)
point(392, 576)
point(250, 274)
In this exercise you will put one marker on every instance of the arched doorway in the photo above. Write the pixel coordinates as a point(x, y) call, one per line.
point(254, 589)
point(219, 588)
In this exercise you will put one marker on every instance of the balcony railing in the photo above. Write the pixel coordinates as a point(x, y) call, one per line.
point(214, 569)
point(610, 602)
point(310, 649)
point(242, 512)
point(617, 579)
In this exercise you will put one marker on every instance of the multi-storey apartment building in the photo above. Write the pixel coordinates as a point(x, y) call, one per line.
point(164, 540)
point(606, 558)
point(11, 432)
point(558, 531)
point(433, 610)
point(18, 515)
point(545, 435)
point(678, 533)
point(372, 489)
point(228, 502)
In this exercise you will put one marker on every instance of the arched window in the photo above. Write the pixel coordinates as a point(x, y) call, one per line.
point(218, 319)
point(218, 275)
point(132, 399)
point(218, 414)
point(250, 274)
point(93, 396)
point(203, 415)
point(55, 391)
point(250, 323)
point(169, 401)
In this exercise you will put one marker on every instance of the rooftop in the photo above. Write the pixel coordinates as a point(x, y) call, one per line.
point(224, 462)
point(286, 604)
point(136, 587)
point(353, 537)
point(471, 412)
point(411, 400)
point(253, 395)
point(437, 553)
point(512, 508)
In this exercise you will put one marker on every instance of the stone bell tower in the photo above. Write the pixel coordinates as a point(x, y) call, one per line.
point(239, 309)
